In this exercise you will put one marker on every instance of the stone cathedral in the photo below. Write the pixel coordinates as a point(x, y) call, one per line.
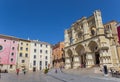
point(89, 43)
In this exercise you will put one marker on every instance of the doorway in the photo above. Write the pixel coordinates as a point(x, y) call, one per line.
point(34, 69)
point(83, 61)
point(97, 56)
point(72, 60)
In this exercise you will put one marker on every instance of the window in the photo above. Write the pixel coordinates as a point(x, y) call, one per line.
point(41, 45)
point(40, 56)
point(27, 44)
point(20, 54)
point(23, 61)
point(46, 51)
point(34, 63)
point(11, 59)
point(40, 68)
point(62, 49)
point(13, 41)
point(13, 48)
point(11, 66)
point(92, 32)
point(107, 29)
point(26, 55)
point(21, 43)
point(35, 44)
point(46, 57)
point(1, 65)
point(71, 40)
point(46, 46)
point(40, 63)
point(40, 51)
point(12, 54)
point(79, 34)
point(26, 49)
point(4, 40)
point(21, 48)
point(35, 50)
point(46, 63)
point(34, 56)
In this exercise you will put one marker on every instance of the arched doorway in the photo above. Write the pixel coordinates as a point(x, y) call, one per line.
point(70, 54)
point(93, 46)
point(82, 56)
point(97, 60)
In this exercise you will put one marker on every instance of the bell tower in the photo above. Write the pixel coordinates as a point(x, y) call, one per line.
point(98, 22)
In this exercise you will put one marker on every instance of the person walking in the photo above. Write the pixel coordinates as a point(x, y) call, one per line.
point(0, 73)
point(55, 70)
point(17, 70)
point(24, 71)
point(60, 68)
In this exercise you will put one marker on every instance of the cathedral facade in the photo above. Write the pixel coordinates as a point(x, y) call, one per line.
point(89, 43)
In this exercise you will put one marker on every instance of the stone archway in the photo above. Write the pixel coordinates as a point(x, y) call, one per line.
point(71, 58)
point(81, 54)
point(93, 46)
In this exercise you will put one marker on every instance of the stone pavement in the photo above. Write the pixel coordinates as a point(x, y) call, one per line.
point(29, 77)
point(93, 73)
point(86, 77)
point(64, 76)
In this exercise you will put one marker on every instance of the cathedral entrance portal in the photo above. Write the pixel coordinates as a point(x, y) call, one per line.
point(71, 58)
point(81, 54)
point(95, 50)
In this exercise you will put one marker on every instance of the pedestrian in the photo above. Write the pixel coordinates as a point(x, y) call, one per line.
point(24, 71)
point(61, 68)
point(17, 70)
point(55, 70)
point(84, 65)
point(0, 73)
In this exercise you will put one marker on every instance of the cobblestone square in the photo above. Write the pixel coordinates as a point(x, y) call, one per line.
point(53, 77)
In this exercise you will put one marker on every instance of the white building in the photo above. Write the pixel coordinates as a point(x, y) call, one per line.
point(40, 55)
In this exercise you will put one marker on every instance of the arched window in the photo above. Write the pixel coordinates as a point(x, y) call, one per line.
point(71, 40)
point(93, 31)
point(79, 34)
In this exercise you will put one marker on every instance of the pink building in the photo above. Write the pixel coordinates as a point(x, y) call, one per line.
point(8, 52)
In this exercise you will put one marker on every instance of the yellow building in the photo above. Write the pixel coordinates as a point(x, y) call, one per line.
point(23, 54)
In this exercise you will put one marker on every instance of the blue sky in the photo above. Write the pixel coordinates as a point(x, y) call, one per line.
point(46, 20)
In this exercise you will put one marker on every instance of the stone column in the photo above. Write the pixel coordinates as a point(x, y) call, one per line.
point(114, 56)
point(73, 35)
point(98, 22)
point(66, 38)
point(85, 29)
point(76, 62)
point(89, 60)
point(67, 63)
